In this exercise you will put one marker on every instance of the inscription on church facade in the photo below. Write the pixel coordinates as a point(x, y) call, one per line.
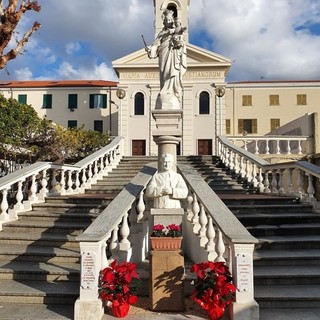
point(155, 75)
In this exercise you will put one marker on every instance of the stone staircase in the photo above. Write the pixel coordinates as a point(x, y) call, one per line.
point(39, 257)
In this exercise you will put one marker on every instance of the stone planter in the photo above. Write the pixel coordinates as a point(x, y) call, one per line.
point(166, 243)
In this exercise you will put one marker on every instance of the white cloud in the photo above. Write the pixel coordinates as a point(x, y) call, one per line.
point(23, 74)
point(266, 38)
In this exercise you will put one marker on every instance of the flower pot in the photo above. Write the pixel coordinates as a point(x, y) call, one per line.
point(120, 310)
point(166, 243)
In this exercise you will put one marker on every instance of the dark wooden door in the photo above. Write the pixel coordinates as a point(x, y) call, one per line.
point(204, 147)
point(138, 147)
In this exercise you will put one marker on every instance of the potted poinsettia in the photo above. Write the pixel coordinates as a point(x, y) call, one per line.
point(214, 290)
point(166, 237)
point(118, 286)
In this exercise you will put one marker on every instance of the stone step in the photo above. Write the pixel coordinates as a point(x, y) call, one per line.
point(251, 219)
point(30, 225)
point(43, 239)
point(267, 208)
point(43, 215)
point(282, 296)
point(51, 292)
point(39, 271)
point(284, 229)
point(256, 199)
point(286, 257)
point(69, 207)
point(286, 275)
point(55, 255)
point(288, 242)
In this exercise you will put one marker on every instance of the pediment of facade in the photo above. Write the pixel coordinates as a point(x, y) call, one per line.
point(196, 57)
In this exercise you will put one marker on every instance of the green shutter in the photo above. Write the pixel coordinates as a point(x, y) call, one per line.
point(72, 101)
point(91, 101)
point(47, 101)
point(240, 125)
point(254, 126)
point(104, 101)
point(22, 98)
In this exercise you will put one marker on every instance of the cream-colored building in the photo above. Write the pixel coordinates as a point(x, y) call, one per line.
point(211, 106)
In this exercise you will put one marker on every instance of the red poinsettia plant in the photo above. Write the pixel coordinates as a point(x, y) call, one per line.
point(214, 289)
point(118, 283)
point(172, 230)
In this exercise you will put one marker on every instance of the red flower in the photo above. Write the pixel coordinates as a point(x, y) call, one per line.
point(118, 283)
point(214, 289)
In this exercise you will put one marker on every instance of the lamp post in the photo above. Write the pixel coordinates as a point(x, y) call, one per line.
point(220, 91)
point(120, 93)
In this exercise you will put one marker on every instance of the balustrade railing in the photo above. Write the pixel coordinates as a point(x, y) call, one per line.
point(286, 145)
point(294, 178)
point(210, 231)
point(33, 183)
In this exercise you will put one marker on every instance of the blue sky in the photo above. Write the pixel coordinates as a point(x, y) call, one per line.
point(265, 39)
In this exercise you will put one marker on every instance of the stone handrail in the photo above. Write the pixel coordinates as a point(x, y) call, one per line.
point(210, 230)
point(19, 190)
point(275, 144)
point(294, 178)
point(109, 237)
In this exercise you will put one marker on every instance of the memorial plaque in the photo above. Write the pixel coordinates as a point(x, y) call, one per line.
point(88, 274)
point(244, 272)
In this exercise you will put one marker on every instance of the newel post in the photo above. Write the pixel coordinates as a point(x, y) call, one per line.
point(245, 306)
point(88, 305)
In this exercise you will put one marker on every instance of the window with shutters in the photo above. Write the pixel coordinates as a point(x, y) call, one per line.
point(247, 126)
point(98, 125)
point(247, 100)
point(72, 124)
point(274, 124)
point(228, 126)
point(274, 100)
point(47, 101)
point(22, 98)
point(98, 101)
point(72, 101)
point(301, 99)
point(204, 103)
point(139, 104)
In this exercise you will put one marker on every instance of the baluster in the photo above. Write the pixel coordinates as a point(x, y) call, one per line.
point(89, 180)
point(256, 146)
point(288, 147)
point(227, 158)
point(33, 189)
point(77, 183)
point(210, 246)
point(242, 170)
point(299, 147)
point(70, 183)
point(44, 183)
point(4, 216)
point(245, 147)
point(101, 165)
point(220, 247)
point(310, 189)
point(62, 181)
point(281, 186)
point(203, 223)
point(300, 184)
point(236, 164)
point(124, 232)
point(114, 242)
point(104, 259)
point(267, 147)
point(19, 197)
point(290, 180)
point(231, 164)
point(54, 182)
point(247, 174)
point(140, 207)
point(266, 182)
point(274, 183)
point(254, 175)
point(260, 181)
point(95, 170)
point(83, 178)
point(278, 146)
point(196, 210)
